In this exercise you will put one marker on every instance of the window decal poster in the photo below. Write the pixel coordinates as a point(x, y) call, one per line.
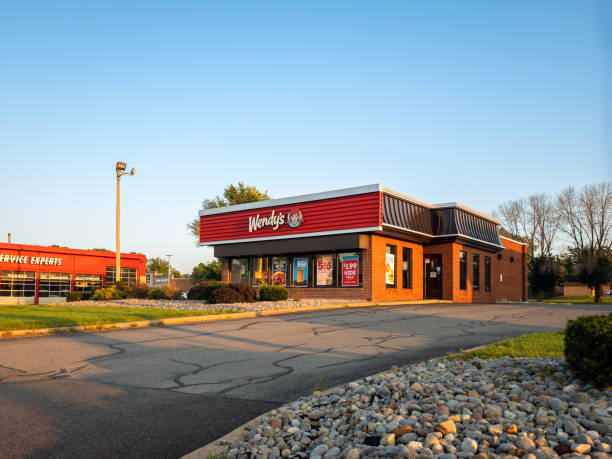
point(350, 271)
point(300, 272)
point(325, 272)
point(390, 269)
point(279, 271)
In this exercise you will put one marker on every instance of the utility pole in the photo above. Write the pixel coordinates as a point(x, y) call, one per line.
point(169, 269)
point(120, 168)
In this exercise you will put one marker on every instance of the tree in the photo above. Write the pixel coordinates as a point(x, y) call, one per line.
point(232, 195)
point(543, 275)
point(159, 265)
point(585, 217)
point(531, 220)
point(206, 272)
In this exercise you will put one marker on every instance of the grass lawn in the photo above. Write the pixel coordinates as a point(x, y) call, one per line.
point(534, 345)
point(575, 299)
point(28, 317)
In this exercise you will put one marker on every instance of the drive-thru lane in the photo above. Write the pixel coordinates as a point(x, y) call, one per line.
point(164, 391)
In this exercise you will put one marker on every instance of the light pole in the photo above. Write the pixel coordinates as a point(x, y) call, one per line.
point(169, 269)
point(120, 168)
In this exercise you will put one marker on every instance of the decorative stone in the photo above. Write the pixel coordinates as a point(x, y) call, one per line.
point(402, 431)
point(417, 387)
point(446, 427)
point(525, 443)
point(581, 448)
point(388, 439)
point(469, 446)
point(276, 423)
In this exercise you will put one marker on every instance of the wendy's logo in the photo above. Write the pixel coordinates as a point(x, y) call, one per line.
point(294, 218)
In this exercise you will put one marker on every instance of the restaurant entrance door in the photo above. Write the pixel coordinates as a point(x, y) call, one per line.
point(432, 284)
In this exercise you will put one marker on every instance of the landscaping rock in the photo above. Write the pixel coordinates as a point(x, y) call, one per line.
point(501, 408)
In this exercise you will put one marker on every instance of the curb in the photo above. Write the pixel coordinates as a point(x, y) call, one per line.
point(196, 319)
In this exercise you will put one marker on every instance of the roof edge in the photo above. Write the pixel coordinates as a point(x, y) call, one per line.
point(446, 205)
point(65, 250)
point(294, 199)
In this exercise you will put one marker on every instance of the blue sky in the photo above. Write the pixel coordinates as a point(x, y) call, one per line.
point(473, 101)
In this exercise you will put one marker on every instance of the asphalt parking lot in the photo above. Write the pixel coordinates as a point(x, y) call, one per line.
point(165, 391)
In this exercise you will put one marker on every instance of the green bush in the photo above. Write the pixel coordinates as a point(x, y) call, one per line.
point(273, 293)
point(122, 286)
point(202, 291)
point(246, 291)
point(138, 290)
point(108, 293)
point(226, 294)
point(588, 348)
point(74, 296)
point(158, 293)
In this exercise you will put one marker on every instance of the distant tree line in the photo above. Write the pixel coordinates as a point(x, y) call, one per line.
point(568, 236)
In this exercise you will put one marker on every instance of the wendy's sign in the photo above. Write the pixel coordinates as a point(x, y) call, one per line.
point(274, 220)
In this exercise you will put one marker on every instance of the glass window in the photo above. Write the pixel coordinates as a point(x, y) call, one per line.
point(239, 270)
point(476, 272)
point(300, 271)
point(128, 275)
point(259, 271)
point(487, 274)
point(390, 266)
point(17, 283)
point(349, 267)
point(406, 267)
point(87, 282)
point(279, 269)
point(462, 270)
point(53, 284)
point(325, 273)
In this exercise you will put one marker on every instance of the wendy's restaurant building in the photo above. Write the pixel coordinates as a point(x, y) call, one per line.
point(369, 243)
point(33, 274)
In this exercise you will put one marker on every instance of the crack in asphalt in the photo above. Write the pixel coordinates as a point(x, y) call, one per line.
point(199, 368)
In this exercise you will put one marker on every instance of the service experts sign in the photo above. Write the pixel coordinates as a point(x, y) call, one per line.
point(27, 260)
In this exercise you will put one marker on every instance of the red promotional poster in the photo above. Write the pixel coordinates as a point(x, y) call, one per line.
point(350, 271)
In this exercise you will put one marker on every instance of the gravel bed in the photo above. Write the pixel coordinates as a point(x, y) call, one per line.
point(502, 408)
point(203, 305)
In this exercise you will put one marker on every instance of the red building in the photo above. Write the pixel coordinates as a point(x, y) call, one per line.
point(367, 242)
point(33, 274)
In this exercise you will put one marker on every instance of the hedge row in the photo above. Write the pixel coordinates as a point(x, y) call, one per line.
point(121, 290)
point(223, 292)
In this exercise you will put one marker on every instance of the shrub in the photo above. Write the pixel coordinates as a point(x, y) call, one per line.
point(245, 290)
point(138, 291)
point(588, 348)
point(170, 290)
point(226, 294)
point(86, 296)
point(120, 285)
point(108, 293)
point(202, 291)
point(273, 293)
point(158, 293)
point(74, 296)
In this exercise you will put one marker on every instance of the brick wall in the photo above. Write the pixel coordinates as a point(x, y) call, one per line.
point(512, 286)
point(380, 291)
point(508, 278)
